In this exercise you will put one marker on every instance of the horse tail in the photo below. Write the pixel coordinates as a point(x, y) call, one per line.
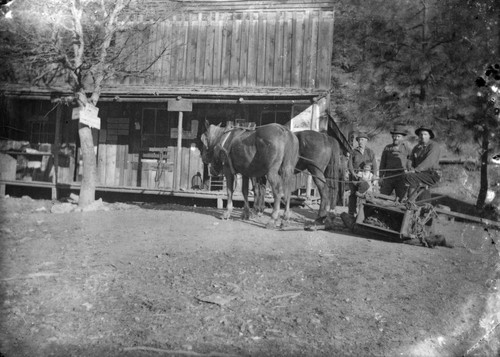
point(332, 172)
point(290, 159)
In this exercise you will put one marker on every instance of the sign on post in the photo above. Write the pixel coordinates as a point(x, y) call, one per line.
point(87, 115)
point(75, 114)
point(179, 105)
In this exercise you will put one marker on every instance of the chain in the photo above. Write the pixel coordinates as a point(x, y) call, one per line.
point(419, 221)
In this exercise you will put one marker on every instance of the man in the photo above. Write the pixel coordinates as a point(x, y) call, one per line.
point(424, 162)
point(394, 162)
point(360, 156)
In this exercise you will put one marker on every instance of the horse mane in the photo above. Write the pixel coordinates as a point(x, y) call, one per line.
point(333, 130)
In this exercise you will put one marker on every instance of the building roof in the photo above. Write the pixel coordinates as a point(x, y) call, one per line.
point(162, 93)
point(253, 5)
point(224, 48)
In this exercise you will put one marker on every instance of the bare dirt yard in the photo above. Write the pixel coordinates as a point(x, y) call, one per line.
point(158, 280)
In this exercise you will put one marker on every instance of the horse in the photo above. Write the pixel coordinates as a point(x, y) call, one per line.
point(319, 153)
point(270, 152)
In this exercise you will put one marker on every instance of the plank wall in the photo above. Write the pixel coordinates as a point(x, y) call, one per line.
point(117, 167)
point(279, 49)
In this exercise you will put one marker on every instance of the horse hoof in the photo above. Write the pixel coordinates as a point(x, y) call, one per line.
point(311, 226)
point(320, 220)
point(284, 224)
point(225, 217)
point(257, 213)
point(271, 225)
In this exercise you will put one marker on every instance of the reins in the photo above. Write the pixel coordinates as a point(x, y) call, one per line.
point(227, 133)
point(348, 181)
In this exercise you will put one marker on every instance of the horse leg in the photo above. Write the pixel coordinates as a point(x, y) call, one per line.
point(259, 189)
point(324, 193)
point(230, 190)
point(277, 188)
point(287, 194)
point(244, 191)
point(286, 183)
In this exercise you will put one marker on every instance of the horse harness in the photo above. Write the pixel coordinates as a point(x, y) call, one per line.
point(226, 149)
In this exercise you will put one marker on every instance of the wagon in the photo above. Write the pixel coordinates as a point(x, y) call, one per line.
point(381, 215)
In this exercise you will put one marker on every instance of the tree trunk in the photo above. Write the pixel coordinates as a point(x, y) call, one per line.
point(483, 190)
point(425, 46)
point(89, 170)
point(87, 189)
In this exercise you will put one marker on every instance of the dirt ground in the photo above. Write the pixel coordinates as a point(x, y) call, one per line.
point(154, 280)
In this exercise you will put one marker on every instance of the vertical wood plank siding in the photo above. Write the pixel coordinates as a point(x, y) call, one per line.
point(252, 49)
point(281, 48)
point(116, 167)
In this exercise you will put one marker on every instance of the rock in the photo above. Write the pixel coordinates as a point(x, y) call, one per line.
point(444, 215)
point(97, 205)
point(62, 208)
point(73, 198)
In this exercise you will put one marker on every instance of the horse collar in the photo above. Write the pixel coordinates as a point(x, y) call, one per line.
point(226, 136)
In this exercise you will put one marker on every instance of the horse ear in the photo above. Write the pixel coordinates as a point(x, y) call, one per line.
point(204, 140)
point(207, 124)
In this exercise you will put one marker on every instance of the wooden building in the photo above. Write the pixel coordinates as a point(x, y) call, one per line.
point(232, 61)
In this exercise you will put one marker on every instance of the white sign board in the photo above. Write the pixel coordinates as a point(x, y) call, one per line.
point(75, 114)
point(179, 105)
point(302, 121)
point(309, 118)
point(88, 116)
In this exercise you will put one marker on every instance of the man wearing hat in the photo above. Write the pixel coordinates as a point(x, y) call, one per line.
point(394, 162)
point(359, 157)
point(424, 161)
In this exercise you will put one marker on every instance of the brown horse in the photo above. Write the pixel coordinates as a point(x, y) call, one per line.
point(319, 153)
point(268, 152)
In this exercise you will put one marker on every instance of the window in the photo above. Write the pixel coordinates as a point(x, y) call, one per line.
point(275, 116)
point(155, 127)
point(41, 122)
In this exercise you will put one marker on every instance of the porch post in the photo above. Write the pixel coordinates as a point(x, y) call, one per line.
point(179, 155)
point(55, 150)
point(314, 126)
point(179, 105)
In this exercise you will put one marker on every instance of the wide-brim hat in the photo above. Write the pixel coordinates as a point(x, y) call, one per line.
point(399, 129)
point(424, 128)
point(361, 134)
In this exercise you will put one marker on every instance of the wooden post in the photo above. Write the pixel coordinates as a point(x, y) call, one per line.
point(55, 150)
point(179, 105)
point(179, 154)
point(314, 126)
